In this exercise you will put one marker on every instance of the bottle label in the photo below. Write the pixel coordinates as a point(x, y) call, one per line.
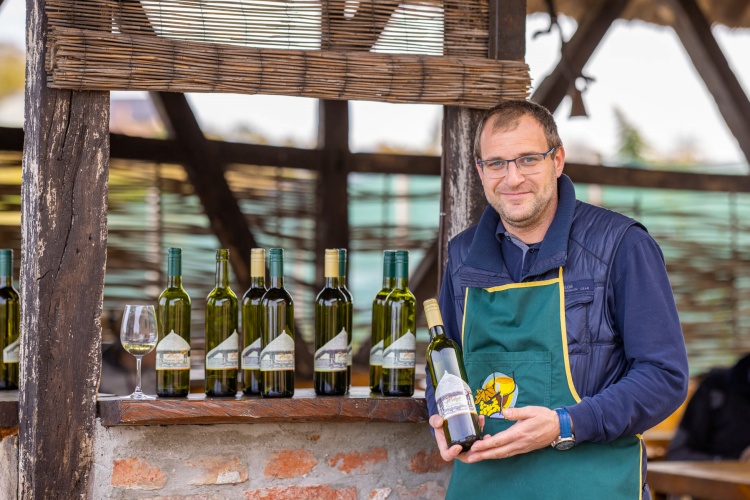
point(401, 353)
point(224, 356)
point(453, 396)
point(173, 353)
point(251, 356)
point(278, 355)
point(332, 357)
point(12, 353)
point(376, 354)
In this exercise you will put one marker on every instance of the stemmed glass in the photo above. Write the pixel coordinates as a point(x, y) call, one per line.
point(138, 334)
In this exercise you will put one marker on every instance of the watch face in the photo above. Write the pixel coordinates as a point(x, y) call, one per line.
point(565, 444)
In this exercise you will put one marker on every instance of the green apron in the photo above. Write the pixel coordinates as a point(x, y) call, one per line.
point(516, 354)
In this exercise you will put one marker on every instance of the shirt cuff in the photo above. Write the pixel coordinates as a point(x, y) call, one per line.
point(584, 421)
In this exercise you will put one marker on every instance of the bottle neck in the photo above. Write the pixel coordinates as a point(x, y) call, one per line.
point(401, 283)
point(332, 282)
point(222, 273)
point(437, 331)
point(341, 280)
point(277, 281)
point(257, 282)
point(6, 281)
point(174, 281)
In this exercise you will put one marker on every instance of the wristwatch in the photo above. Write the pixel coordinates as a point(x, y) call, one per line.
point(565, 440)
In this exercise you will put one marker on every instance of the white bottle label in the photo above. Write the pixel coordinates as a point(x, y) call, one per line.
point(173, 353)
point(278, 355)
point(251, 356)
point(402, 353)
point(12, 352)
point(224, 356)
point(333, 356)
point(453, 396)
point(376, 354)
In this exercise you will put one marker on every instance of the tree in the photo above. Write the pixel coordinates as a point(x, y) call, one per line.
point(633, 147)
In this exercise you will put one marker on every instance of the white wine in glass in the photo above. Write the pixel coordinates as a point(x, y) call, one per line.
point(138, 334)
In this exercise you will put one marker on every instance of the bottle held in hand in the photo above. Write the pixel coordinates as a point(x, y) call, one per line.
point(452, 392)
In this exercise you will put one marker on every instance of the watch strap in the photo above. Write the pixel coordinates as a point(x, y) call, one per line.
point(565, 427)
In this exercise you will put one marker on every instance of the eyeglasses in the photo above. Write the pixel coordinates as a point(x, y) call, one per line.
point(526, 165)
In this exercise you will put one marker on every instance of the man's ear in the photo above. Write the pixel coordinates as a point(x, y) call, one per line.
point(479, 171)
point(559, 160)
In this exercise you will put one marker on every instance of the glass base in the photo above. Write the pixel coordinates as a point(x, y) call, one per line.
point(139, 395)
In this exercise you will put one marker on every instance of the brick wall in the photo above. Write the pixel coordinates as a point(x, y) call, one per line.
point(279, 461)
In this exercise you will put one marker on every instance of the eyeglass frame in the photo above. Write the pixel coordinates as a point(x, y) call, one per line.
point(481, 163)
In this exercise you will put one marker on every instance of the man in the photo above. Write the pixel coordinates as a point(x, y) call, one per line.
point(568, 326)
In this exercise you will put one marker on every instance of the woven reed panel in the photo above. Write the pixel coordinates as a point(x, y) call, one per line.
point(368, 50)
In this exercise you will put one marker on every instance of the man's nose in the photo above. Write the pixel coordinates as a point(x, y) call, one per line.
point(514, 176)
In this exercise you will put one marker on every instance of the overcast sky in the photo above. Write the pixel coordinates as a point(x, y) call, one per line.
point(640, 68)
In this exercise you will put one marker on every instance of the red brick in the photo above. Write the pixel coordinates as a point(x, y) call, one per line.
point(425, 491)
point(427, 461)
point(347, 462)
point(218, 469)
point(290, 463)
point(380, 494)
point(313, 492)
point(137, 474)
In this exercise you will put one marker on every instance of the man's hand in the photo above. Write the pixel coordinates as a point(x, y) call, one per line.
point(535, 428)
point(454, 452)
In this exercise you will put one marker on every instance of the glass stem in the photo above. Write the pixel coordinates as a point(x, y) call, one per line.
point(137, 374)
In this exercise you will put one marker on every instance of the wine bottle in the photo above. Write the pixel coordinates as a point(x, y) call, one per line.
point(173, 317)
point(452, 392)
point(277, 345)
point(379, 320)
point(10, 324)
point(349, 307)
point(399, 341)
point(331, 334)
point(252, 323)
point(222, 339)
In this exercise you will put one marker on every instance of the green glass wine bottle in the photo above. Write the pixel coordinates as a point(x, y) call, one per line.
point(331, 334)
point(379, 320)
point(10, 324)
point(222, 339)
point(399, 340)
point(277, 345)
point(252, 323)
point(349, 307)
point(173, 317)
point(452, 392)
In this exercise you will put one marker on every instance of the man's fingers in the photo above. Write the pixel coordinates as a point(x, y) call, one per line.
point(436, 421)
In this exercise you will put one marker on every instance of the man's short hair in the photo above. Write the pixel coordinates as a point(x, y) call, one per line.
point(506, 115)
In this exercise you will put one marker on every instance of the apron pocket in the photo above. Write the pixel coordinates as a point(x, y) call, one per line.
point(501, 380)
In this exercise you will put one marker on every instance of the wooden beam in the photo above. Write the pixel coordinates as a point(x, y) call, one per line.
point(462, 197)
point(695, 34)
point(206, 172)
point(332, 200)
point(576, 53)
point(64, 251)
point(423, 282)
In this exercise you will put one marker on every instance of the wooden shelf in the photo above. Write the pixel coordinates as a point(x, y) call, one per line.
point(305, 406)
point(8, 409)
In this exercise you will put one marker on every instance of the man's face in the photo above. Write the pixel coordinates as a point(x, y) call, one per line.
point(525, 203)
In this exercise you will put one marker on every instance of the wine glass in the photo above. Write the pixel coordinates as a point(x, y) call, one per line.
point(138, 335)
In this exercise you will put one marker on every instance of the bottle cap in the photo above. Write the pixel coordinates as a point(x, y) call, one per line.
point(432, 313)
point(174, 261)
point(402, 264)
point(276, 254)
point(276, 262)
point(342, 261)
point(257, 262)
point(6, 262)
point(332, 263)
point(389, 264)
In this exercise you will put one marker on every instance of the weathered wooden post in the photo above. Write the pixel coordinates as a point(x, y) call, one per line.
point(462, 198)
point(64, 238)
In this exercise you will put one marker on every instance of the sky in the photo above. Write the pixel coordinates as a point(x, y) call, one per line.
point(639, 68)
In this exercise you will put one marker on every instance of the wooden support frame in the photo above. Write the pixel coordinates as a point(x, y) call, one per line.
point(576, 53)
point(64, 231)
point(206, 173)
point(694, 32)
